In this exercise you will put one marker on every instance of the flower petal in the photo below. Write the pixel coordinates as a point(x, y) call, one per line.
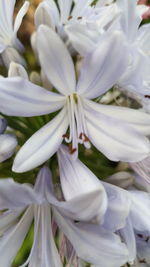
point(85, 207)
point(8, 143)
point(119, 204)
point(130, 19)
point(65, 7)
point(11, 54)
point(80, 6)
point(23, 10)
point(92, 243)
point(12, 240)
point(79, 183)
point(144, 38)
point(45, 254)
point(140, 214)
point(17, 70)
point(42, 145)
point(127, 233)
point(6, 17)
point(137, 119)
point(96, 75)
point(14, 195)
point(56, 60)
point(47, 14)
point(113, 137)
point(8, 219)
point(19, 97)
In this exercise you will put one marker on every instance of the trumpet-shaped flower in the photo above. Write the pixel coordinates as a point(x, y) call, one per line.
point(116, 131)
point(24, 203)
point(8, 142)
point(68, 12)
point(76, 179)
point(9, 43)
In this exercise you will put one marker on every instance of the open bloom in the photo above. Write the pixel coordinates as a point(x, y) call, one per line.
point(24, 203)
point(9, 43)
point(8, 142)
point(116, 131)
point(71, 12)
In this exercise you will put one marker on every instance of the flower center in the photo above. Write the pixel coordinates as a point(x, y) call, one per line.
point(77, 123)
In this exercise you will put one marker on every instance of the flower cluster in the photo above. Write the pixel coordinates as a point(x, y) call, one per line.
point(86, 102)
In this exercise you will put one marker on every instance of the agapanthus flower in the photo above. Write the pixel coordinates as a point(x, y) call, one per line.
point(76, 179)
point(127, 18)
point(8, 142)
point(116, 131)
point(10, 46)
point(24, 203)
point(136, 77)
point(79, 13)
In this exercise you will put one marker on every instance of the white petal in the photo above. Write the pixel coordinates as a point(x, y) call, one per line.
point(80, 6)
point(6, 17)
point(92, 243)
point(23, 10)
point(8, 219)
point(8, 143)
point(96, 74)
point(16, 70)
point(82, 39)
point(55, 60)
point(42, 145)
point(119, 204)
point(2, 46)
point(127, 233)
point(65, 7)
point(12, 240)
point(47, 14)
point(130, 19)
point(44, 252)
point(144, 38)
point(10, 54)
point(115, 138)
point(78, 181)
point(83, 207)
point(137, 119)
point(14, 195)
point(19, 97)
point(140, 214)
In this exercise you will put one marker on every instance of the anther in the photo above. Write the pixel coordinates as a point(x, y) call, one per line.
point(71, 149)
point(142, 261)
point(70, 17)
point(79, 17)
point(84, 137)
point(65, 136)
point(147, 96)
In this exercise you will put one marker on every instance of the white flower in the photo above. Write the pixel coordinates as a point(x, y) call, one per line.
point(116, 131)
point(8, 142)
point(136, 77)
point(76, 179)
point(57, 17)
point(138, 223)
point(91, 242)
point(9, 43)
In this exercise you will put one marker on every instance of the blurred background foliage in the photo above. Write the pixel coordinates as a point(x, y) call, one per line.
point(25, 127)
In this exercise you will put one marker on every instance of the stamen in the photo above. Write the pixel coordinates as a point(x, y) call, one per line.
point(71, 149)
point(77, 124)
point(70, 17)
point(142, 261)
point(79, 18)
point(147, 96)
